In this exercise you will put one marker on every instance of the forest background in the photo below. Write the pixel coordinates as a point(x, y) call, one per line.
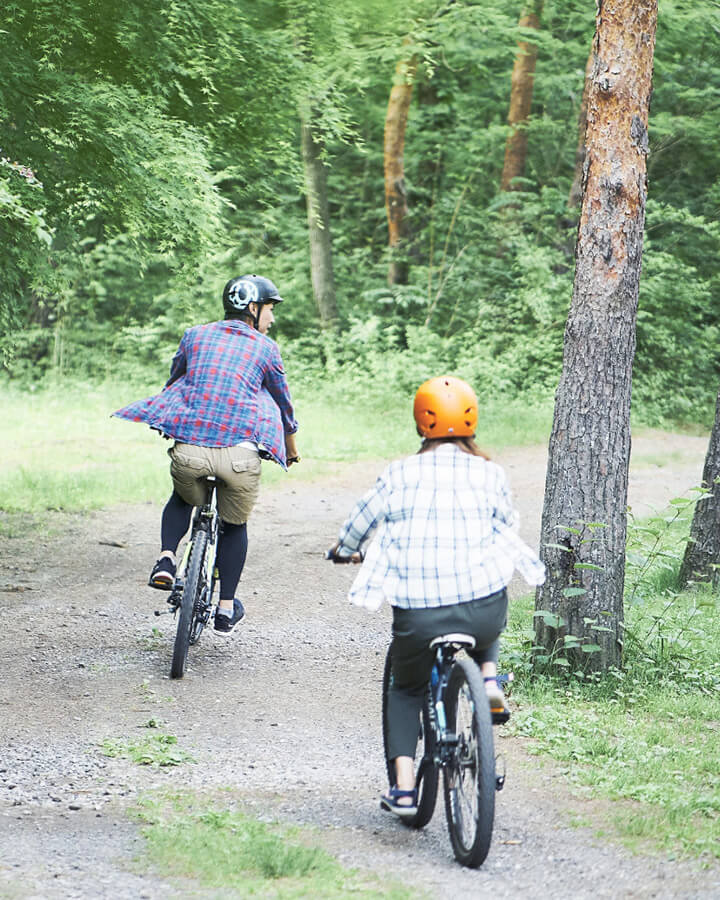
point(151, 151)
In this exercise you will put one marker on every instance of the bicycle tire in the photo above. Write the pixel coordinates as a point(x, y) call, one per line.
point(189, 603)
point(469, 782)
point(426, 772)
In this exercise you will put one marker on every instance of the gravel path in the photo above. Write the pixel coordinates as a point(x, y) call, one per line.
point(285, 714)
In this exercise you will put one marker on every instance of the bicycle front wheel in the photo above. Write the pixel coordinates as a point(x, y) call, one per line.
point(192, 592)
point(469, 781)
point(426, 772)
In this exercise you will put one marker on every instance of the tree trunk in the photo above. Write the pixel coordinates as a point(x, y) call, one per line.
point(575, 196)
point(321, 263)
point(584, 514)
point(394, 149)
point(521, 93)
point(702, 554)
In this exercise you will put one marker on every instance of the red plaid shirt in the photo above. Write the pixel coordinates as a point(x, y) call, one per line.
point(227, 384)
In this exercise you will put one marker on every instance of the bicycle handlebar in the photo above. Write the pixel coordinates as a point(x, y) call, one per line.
point(357, 557)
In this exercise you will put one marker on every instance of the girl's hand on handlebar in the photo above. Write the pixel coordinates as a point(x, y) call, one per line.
point(332, 554)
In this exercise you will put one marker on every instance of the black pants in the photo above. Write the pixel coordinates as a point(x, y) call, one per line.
point(412, 660)
point(232, 542)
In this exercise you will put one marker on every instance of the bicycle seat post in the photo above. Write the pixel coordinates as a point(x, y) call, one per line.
point(206, 510)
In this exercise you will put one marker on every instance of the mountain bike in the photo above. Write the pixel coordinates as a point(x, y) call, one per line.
point(191, 596)
point(454, 734)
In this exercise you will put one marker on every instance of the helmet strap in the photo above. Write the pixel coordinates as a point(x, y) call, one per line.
point(255, 316)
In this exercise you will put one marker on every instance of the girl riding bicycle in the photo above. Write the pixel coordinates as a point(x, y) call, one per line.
point(443, 556)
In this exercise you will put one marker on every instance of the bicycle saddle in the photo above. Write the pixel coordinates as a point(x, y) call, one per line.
point(458, 640)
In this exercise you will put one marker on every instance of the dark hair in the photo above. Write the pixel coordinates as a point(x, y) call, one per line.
point(244, 316)
point(466, 444)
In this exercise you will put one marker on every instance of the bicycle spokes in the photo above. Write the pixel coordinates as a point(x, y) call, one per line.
point(470, 773)
point(465, 767)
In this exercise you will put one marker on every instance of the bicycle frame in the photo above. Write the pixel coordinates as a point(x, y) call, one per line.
point(205, 517)
point(445, 741)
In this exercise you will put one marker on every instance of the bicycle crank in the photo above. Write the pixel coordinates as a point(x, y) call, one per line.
point(500, 779)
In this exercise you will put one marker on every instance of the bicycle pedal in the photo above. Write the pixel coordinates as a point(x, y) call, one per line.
point(500, 716)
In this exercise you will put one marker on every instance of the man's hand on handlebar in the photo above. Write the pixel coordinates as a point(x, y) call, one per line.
point(291, 451)
point(332, 554)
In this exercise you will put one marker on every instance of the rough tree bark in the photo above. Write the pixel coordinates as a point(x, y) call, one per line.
point(521, 94)
point(575, 196)
point(702, 554)
point(321, 262)
point(584, 518)
point(394, 150)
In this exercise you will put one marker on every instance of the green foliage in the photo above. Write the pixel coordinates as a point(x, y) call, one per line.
point(677, 359)
point(163, 146)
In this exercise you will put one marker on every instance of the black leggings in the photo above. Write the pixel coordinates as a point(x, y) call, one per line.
point(412, 659)
point(232, 542)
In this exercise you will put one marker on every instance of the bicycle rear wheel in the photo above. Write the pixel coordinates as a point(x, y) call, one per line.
point(192, 594)
point(426, 772)
point(469, 782)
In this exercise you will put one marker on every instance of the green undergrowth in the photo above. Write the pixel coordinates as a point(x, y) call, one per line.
point(63, 451)
point(647, 735)
point(217, 846)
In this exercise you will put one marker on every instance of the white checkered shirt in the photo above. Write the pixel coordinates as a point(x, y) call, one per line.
point(445, 533)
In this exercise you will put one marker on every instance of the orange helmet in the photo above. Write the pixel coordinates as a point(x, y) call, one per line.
point(446, 407)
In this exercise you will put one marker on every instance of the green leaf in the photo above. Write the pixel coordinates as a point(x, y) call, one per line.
point(561, 661)
point(549, 618)
point(590, 566)
point(591, 648)
point(559, 547)
point(574, 591)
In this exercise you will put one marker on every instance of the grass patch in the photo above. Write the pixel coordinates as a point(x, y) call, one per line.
point(153, 641)
point(227, 849)
point(661, 460)
point(152, 750)
point(662, 753)
point(93, 461)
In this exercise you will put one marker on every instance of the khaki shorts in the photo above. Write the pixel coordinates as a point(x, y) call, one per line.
point(237, 470)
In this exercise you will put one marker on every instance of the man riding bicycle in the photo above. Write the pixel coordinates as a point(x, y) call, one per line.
point(226, 405)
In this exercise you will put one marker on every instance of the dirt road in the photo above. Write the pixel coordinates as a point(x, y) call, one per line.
point(285, 714)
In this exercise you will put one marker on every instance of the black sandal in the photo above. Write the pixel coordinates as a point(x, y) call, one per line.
point(389, 802)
